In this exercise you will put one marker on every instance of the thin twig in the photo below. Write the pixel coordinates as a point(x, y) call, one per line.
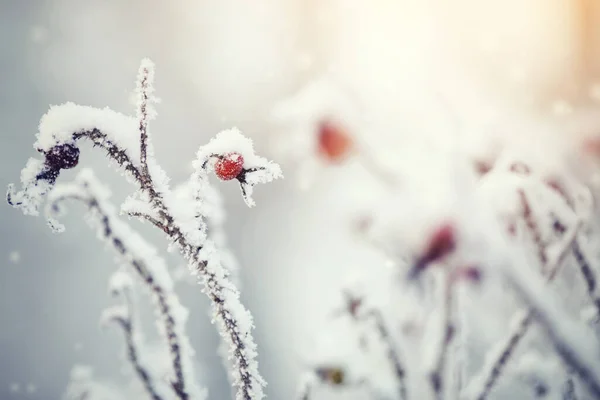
point(436, 378)
point(152, 220)
point(234, 321)
point(163, 302)
point(534, 228)
point(392, 353)
point(588, 274)
point(132, 355)
point(353, 308)
point(482, 384)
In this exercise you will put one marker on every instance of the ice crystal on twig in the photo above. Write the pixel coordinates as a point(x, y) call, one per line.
point(182, 218)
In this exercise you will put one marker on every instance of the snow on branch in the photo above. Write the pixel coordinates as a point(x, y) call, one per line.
point(496, 359)
point(181, 216)
point(230, 155)
point(122, 316)
point(572, 341)
point(339, 365)
point(142, 258)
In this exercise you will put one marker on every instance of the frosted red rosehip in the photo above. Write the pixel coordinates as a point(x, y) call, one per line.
point(334, 144)
point(229, 166)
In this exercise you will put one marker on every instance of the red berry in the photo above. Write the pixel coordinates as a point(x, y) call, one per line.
point(441, 243)
point(229, 166)
point(482, 167)
point(334, 144)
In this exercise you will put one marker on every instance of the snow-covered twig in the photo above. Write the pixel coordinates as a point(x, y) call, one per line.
point(184, 224)
point(573, 342)
point(482, 384)
point(137, 253)
point(444, 339)
point(353, 308)
point(589, 276)
point(121, 315)
point(533, 227)
point(145, 112)
point(392, 353)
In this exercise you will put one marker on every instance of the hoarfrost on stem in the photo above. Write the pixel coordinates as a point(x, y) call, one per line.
point(181, 214)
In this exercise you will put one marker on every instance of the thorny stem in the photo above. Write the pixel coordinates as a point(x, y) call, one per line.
point(588, 274)
point(352, 306)
point(217, 286)
point(214, 289)
point(156, 289)
point(143, 121)
point(148, 218)
point(132, 356)
point(569, 392)
point(392, 353)
point(435, 376)
point(534, 228)
point(490, 375)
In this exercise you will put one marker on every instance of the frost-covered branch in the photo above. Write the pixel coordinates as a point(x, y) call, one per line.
point(122, 316)
point(589, 276)
point(142, 258)
point(182, 216)
point(482, 384)
point(533, 227)
point(354, 308)
point(392, 353)
point(145, 112)
point(572, 341)
point(445, 336)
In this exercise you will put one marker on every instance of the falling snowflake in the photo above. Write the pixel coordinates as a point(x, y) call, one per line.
point(31, 388)
point(14, 257)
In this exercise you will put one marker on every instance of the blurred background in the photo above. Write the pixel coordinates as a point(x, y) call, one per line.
point(499, 66)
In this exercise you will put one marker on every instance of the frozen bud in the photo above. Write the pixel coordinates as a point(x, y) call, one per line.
point(229, 166)
point(62, 156)
point(334, 144)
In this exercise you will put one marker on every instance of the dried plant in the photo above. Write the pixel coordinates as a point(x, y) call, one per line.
point(183, 214)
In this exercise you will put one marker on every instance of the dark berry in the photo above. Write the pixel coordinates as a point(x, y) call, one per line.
point(229, 166)
point(62, 156)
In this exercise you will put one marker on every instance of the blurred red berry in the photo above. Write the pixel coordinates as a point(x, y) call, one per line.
point(333, 141)
point(441, 243)
point(482, 167)
point(591, 146)
point(229, 166)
